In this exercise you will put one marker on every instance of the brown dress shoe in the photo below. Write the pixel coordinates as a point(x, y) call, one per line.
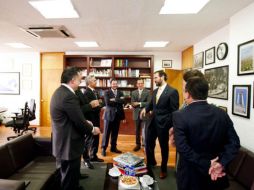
point(163, 175)
point(137, 148)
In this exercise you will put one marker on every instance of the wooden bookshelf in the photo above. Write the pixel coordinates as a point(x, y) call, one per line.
point(127, 69)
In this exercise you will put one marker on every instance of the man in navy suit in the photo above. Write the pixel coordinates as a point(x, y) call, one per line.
point(165, 100)
point(205, 139)
point(68, 128)
point(114, 113)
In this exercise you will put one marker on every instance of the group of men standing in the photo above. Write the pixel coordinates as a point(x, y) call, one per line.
point(204, 135)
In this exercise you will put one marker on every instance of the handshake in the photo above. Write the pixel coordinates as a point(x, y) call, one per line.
point(216, 170)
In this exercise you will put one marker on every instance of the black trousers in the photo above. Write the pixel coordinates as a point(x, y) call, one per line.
point(70, 171)
point(139, 125)
point(95, 145)
point(88, 145)
point(154, 132)
point(111, 128)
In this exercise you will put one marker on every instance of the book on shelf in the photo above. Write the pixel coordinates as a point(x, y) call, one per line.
point(106, 62)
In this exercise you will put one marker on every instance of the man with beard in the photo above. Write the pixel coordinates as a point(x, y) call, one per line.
point(165, 100)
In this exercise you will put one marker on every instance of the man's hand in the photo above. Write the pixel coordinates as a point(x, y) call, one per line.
point(96, 131)
point(171, 136)
point(112, 99)
point(142, 113)
point(135, 104)
point(94, 103)
point(216, 170)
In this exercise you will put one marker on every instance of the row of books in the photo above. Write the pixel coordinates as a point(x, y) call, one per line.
point(130, 164)
point(101, 73)
point(101, 63)
point(127, 73)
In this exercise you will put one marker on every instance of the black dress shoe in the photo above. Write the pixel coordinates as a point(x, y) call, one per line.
point(88, 164)
point(137, 148)
point(96, 159)
point(115, 150)
point(103, 152)
point(83, 176)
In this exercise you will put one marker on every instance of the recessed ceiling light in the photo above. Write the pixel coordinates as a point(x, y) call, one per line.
point(155, 44)
point(87, 44)
point(183, 6)
point(55, 8)
point(18, 45)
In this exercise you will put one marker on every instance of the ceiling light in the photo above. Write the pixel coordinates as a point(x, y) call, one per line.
point(155, 44)
point(87, 44)
point(55, 8)
point(183, 6)
point(18, 45)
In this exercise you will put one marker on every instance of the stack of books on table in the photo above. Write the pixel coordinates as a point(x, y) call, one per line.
point(130, 164)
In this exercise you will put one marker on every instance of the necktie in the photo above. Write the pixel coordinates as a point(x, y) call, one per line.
point(95, 93)
point(158, 94)
point(115, 92)
point(139, 94)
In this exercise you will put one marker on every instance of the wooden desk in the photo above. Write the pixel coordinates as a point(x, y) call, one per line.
point(112, 183)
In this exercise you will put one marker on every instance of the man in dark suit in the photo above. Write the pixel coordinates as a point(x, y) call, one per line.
point(205, 139)
point(165, 100)
point(68, 128)
point(139, 99)
point(93, 115)
point(114, 113)
point(87, 107)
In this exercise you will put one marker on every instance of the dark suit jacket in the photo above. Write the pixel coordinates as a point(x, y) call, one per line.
point(114, 108)
point(94, 114)
point(144, 99)
point(84, 103)
point(203, 132)
point(68, 125)
point(162, 111)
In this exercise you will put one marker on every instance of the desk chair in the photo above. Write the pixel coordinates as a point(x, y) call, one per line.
point(20, 123)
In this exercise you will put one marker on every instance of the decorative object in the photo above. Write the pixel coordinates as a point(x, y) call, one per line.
point(166, 63)
point(222, 51)
point(199, 60)
point(218, 82)
point(9, 83)
point(210, 56)
point(245, 58)
point(224, 108)
point(241, 100)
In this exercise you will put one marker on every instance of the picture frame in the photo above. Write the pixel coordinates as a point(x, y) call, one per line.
point(245, 58)
point(210, 56)
point(224, 108)
point(198, 60)
point(167, 63)
point(217, 79)
point(9, 83)
point(241, 100)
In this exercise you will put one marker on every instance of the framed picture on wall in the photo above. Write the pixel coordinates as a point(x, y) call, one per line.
point(166, 63)
point(199, 60)
point(245, 59)
point(210, 56)
point(224, 108)
point(10, 83)
point(241, 100)
point(218, 82)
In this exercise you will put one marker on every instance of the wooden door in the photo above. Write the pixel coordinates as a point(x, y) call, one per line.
point(51, 70)
point(175, 79)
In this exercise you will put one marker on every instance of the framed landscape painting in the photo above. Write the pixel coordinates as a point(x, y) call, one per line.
point(241, 100)
point(245, 62)
point(217, 79)
point(199, 60)
point(9, 83)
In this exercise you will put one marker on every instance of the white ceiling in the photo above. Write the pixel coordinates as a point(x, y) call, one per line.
point(117, 25)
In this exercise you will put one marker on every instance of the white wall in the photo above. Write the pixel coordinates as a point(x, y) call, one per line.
point(28, 64)
point(240, 29)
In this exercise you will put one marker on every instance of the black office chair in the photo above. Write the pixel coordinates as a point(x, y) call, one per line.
point(20, 123)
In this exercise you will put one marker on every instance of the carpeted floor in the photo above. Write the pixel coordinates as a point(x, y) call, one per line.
point(168, 183)
point(96, 178)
